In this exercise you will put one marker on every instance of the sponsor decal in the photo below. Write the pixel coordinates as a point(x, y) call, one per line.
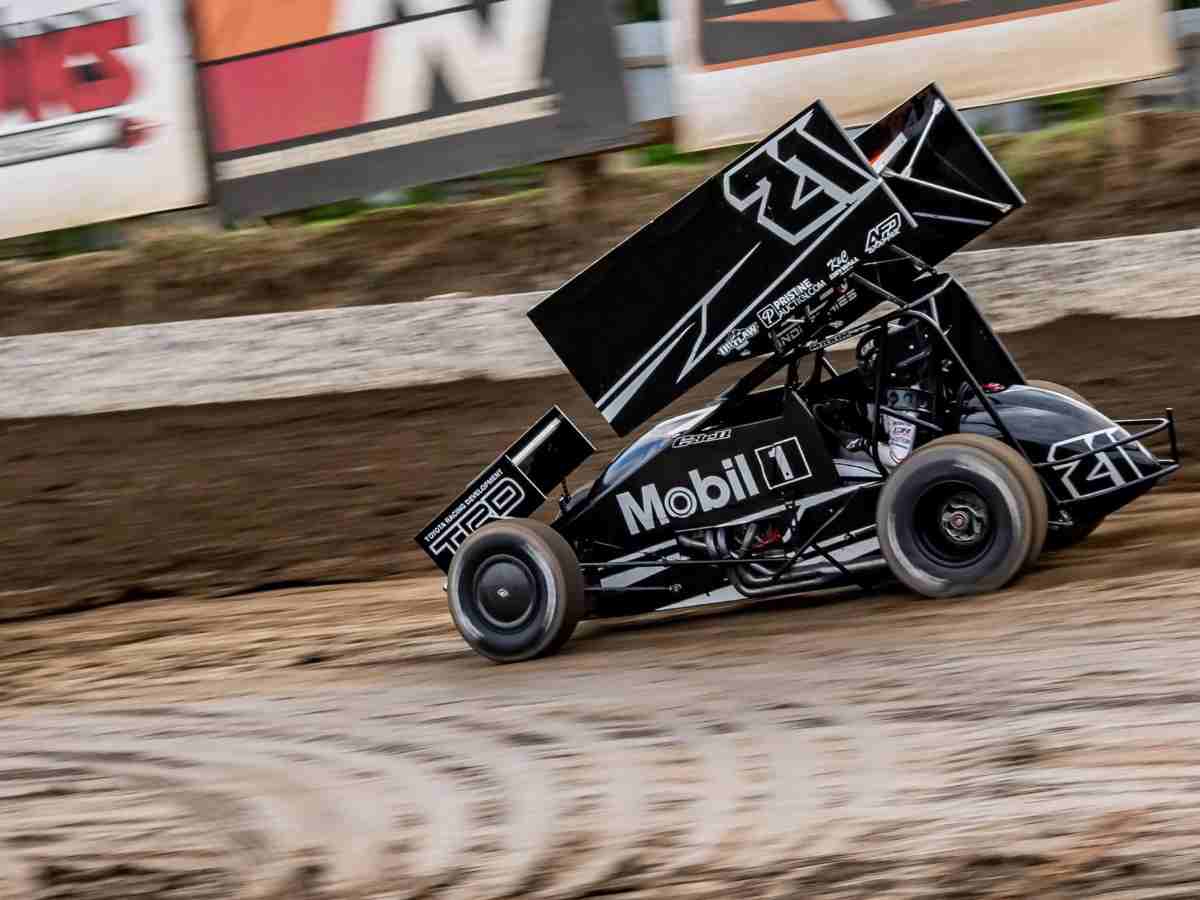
point(841, 264)
point(785, 338)
point(901, 437)
point(654, 508)
point(783, 463)
point(848, 296)
point(789, 196)
point(1114, 468)
point(883, 233)
point(738, 340)
point(779, 308)
point(838, 338)
point(497, 496)
point(704, 437)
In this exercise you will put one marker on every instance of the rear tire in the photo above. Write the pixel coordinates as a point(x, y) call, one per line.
point(955, 519)
point(516, 590)
point(1028, 477)
point(1058, 389)
point(1061, 538)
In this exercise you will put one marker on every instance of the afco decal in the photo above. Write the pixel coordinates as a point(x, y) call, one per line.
point(59, 68)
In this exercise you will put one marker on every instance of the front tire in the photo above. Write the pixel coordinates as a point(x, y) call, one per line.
point(955, 519)
point(516, 590)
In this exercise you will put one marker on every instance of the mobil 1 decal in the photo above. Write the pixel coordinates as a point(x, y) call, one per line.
point(681, 298)
point(713, 482)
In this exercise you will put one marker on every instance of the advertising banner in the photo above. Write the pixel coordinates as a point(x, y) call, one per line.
point(743, 66)
point(97, 113)
point(342, 98)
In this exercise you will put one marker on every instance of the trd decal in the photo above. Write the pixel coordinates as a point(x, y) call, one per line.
point(496, 498)
point(1105, 471)
point(653, 508)
point(794, 185)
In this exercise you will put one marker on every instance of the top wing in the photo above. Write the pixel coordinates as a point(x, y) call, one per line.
point(932, 160)
point(688, 292)
point(757, 257)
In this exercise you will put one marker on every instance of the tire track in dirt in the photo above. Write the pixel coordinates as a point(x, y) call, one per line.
point(560, 802)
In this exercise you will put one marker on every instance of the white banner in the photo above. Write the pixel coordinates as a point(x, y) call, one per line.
point(97, 113)
point(741, 67)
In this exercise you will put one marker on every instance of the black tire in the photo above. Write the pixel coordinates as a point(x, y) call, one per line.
point(1028, 477)
point(516, 590)
point(954, 519)
point(1058, 389)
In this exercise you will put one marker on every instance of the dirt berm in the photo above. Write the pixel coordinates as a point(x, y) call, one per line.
point(234, 498)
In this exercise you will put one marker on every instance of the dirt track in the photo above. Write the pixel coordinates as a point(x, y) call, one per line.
point(339, 741)
point(233, 498)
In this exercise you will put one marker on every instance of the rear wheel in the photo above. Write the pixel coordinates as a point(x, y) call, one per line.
point(955, 519)
point(1060, 538)
point(516, 591)
point(1058, 389)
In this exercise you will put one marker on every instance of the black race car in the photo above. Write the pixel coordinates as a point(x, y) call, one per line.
point(933, 459)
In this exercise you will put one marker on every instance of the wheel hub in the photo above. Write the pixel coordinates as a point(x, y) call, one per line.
point(964, 519)
point(505, 591)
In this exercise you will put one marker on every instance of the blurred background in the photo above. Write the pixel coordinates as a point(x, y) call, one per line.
point(264, 269)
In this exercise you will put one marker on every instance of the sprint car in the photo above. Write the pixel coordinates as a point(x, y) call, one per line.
point(931, 460)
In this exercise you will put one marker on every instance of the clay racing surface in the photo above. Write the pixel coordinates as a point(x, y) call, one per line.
point(340, 741)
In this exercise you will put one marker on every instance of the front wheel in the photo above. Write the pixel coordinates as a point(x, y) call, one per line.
point(955, 519)
point(516, 590)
